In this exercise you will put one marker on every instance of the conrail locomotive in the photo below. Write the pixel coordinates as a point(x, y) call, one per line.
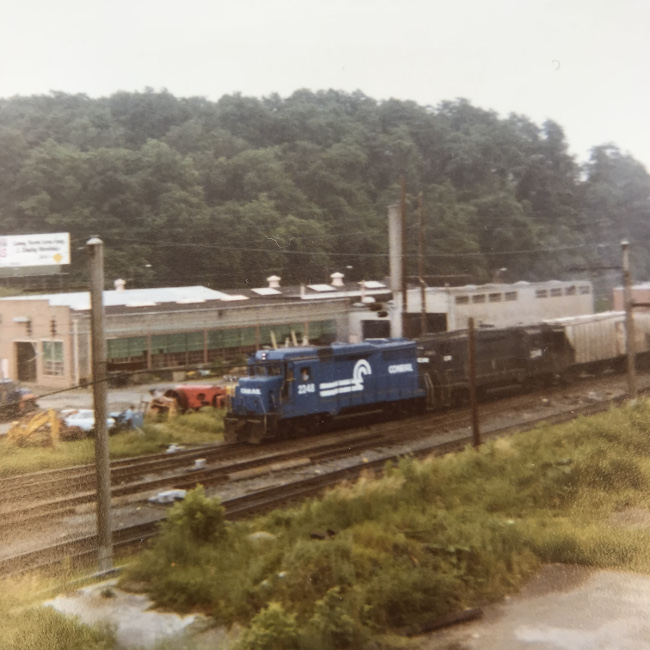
point(298, 391)
point(295, 391)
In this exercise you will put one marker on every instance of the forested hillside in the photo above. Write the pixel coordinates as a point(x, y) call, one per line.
point(190, 191)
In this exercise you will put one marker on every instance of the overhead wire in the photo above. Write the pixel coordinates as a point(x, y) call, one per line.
point(383, 255)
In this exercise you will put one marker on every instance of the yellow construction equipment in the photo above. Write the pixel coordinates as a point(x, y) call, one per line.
point(42, 428)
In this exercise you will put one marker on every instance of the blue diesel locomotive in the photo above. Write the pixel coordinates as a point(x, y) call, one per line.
point(296, 391)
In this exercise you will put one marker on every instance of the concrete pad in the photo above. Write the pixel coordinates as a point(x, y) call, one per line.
point(562, 608)
point(136, 625)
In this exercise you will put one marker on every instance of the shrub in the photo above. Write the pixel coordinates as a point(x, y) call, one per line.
point(272, 629)
point(197, 516)
point(331, 625)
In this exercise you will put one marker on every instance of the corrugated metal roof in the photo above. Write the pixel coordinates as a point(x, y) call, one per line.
point(188, 298)
point(133, 297)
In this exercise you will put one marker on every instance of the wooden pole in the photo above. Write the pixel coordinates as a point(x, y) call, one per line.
point(95, 248)
point(629, 320)
point(423, 286)
point(476, 432)
point(405, 328)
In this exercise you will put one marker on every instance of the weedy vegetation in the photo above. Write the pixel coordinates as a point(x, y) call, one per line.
point(199, 427)
point(372, 559)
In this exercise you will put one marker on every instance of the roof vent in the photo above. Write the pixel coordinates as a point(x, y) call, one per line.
point(337, 279)
point(274, 281)
point(119, 285)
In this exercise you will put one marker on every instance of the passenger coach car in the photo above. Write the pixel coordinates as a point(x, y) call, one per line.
point(293, 391)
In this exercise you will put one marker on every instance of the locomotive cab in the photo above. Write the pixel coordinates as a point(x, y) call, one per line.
point(254, 406)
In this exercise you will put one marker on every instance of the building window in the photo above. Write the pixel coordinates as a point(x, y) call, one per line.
point(570, 291)
point(585, 289)
point(478, 297)
point(495, 297)
point(555, 293)
point(541, 293)
point(52, 357)
point(462, 300)
point(511, 295)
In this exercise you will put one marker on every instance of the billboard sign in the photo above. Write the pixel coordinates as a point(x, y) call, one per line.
point(35, 250)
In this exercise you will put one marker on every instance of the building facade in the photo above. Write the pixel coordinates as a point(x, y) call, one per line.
point(46, 339)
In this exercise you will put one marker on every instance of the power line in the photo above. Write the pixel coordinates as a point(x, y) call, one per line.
point(382, 255)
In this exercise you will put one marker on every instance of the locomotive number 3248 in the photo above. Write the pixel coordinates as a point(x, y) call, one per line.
point(306, 388)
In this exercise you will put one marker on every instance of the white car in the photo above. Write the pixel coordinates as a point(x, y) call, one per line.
point(84, 419)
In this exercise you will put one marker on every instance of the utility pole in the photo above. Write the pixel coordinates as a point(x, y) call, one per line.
point(471, 342)
point(95, 248)
point(629, 319)
point(395, 264)
point(423, 286)
point(405, 327)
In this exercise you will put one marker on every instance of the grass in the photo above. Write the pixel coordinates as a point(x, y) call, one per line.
point(189, 429)
point(27, 625)
point(427, 539)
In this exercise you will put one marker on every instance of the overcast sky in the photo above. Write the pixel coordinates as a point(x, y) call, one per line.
point(582, 63)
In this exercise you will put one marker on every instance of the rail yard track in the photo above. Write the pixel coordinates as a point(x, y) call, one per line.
point(230, 462)
point(27, 499)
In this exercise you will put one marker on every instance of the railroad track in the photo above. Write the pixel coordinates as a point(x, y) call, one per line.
point(126, 539)
point(46, 495)
point(48, 483)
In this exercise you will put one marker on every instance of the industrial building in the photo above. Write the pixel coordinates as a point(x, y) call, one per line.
point(491, 305)
point(45, 339)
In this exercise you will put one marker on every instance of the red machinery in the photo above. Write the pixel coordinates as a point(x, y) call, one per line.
point(191, 397)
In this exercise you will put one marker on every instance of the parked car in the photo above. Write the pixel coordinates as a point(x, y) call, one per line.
point(84, 419)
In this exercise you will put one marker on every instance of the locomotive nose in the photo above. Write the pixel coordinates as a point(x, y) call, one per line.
point(257, 395)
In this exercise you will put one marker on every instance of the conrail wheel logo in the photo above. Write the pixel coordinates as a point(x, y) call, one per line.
point(331, 388)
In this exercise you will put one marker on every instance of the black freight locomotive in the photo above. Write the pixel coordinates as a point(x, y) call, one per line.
point(527, 357)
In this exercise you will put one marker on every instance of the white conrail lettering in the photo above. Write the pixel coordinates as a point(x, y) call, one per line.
point(331, 388)
point(400, 367)
point(251, 391)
